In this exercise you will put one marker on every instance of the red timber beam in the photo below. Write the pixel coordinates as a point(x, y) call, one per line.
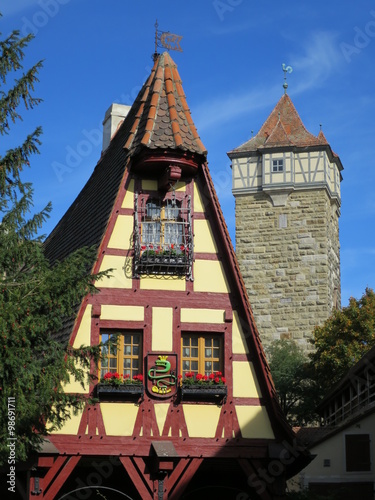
point(58, 473)
point(136, 469)
point(181, 477)
point(162, 484)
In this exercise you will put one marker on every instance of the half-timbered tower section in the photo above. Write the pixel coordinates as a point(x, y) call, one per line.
point(185, 403)
point(286, 183)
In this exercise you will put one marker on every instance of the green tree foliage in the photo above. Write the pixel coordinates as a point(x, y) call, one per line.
point(301, 382)
point(291, 373)
point(343, 339)
point(35, 297)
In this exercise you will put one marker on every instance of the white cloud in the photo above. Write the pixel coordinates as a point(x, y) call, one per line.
point(225, 108)
point(320, 60)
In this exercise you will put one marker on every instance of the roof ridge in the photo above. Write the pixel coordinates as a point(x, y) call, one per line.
point(274, 137)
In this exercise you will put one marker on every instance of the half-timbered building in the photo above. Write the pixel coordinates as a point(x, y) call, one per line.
point(185, 404)
point(286, 183)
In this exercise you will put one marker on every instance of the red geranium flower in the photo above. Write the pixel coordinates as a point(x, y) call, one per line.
point(217, 380)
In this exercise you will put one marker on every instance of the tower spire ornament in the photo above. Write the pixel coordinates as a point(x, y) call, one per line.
point(169, 41)
point(286, 69)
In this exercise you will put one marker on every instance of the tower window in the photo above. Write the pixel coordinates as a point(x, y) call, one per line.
point(278, 165)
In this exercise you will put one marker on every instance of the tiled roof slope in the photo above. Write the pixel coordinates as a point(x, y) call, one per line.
point(163, 117)
point(159, 118)
point(282, 128)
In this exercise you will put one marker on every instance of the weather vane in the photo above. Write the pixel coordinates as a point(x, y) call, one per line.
point(286, 69)
point(165, 39)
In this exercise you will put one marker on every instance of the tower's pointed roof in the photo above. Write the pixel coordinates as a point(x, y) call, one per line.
point(283, 127)
point(162, 118)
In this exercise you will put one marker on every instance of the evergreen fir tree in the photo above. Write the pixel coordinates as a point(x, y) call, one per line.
point(35, 297)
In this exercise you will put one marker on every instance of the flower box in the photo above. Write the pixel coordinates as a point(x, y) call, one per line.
point(201, 392)
point(163, 260)
point(120, 391)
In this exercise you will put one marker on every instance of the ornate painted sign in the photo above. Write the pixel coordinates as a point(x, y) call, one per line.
point(161, 375)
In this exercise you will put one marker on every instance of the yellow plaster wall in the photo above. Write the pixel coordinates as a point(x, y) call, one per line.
point(239, 345)
point(179, 186)
point(128, 201)
point(119, 418)
point(126, 313)
point(75, 387)
point(254, 422)
point(120, 277)
point(203, 237)
point(202, 315)
point(245, 383)
point(161, 411)
point(198, 203)
point(84, 331)
point(162, 328)
point(83, 338)
point(149, 185)
point(163, 283)
point(201, 420)
point(122, 234)
point(71, 426)
point(209, 276)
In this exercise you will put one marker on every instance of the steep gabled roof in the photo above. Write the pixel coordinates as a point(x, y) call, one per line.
point(158, 119)
point(283, 127)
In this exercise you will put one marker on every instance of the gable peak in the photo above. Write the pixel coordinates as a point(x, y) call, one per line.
point(283, 127)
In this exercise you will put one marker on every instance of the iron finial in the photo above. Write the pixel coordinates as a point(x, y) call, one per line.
point(286, 69)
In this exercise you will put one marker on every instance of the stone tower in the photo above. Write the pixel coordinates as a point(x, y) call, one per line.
point(286, 184)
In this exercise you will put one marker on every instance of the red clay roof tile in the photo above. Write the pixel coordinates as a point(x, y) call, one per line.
point(282, 127)
point(162, 101)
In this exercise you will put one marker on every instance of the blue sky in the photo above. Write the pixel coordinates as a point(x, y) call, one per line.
point(97, 52)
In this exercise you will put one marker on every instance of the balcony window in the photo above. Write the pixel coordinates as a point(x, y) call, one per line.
point(162, 236)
